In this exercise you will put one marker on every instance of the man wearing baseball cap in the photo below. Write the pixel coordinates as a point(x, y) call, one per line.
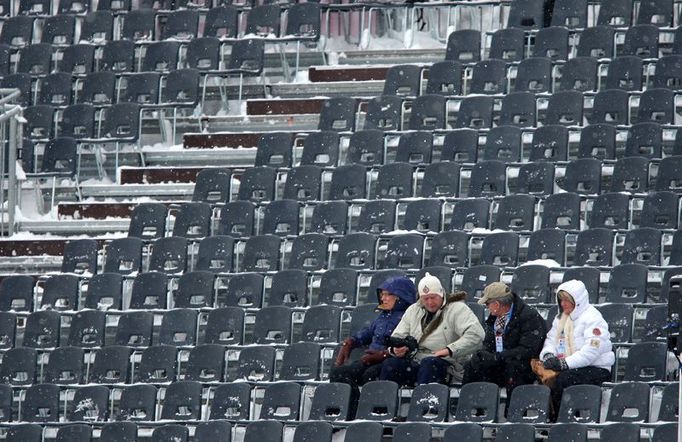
point(514, 334)
point(447, 333)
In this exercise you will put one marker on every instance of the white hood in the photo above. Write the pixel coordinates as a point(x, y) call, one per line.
point(578, 292)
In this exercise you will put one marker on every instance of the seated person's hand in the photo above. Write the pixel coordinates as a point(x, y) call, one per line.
point(344, 351)
point(483, 358)
point(442, 353)
point(400, 352)
point(556, 364)
point(372, 357)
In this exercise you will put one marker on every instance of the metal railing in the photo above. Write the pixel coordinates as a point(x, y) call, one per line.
point(11, 122)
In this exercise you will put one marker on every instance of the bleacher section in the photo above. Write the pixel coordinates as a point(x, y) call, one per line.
point(212, 190)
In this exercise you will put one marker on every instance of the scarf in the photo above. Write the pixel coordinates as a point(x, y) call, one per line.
point(566, 327)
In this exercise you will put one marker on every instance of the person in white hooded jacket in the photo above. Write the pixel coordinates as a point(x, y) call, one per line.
point(578, 345)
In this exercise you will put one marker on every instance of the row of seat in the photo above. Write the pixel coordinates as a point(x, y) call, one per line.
point(366, 251)
point(477, 402)
point(537, 75)
point(530, 14)
point(273, 431)
point(560, 43)
point(42, 8)
point(122, 57)
point(246, 321)
point(522, 109)
point(485, 179)
point(449, 252)
point(558, 144)
point(293, 22)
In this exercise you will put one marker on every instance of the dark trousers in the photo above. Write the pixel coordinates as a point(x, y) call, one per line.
point(506, 374)
point(576, 376)
point(354, 374)
point(407, 372)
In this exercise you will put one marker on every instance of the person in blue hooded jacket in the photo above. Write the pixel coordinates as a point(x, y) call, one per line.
point(395, 295)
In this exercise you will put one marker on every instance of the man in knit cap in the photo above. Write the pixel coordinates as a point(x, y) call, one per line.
point(578, 345)
point(514, 334)
point(447, 334)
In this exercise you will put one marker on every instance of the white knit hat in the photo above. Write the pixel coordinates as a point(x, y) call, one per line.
point(429, 284)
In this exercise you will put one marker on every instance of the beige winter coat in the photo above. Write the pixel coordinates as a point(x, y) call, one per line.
point(456, 327)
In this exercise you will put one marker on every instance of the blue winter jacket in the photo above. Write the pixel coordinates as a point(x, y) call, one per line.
point(383, 325)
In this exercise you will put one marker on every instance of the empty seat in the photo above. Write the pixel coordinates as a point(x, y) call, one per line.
point(478, 402)
point(642, 41)
point(338, 287)
point(629, 402)
point(508, 44)
point(464, 46)
point(527, 14)
point(256, 363)
point(261, 253)
point(566, 108)
point(596, 42)
point(488, 178)
point(356, 251)
point(580, 403)
point(273, 325)
point(500, 249)
point(445, 78)
point(257, 184)
point(529, 403)
point(428, 113)
point(281, 218)
point(642, 246)
point(619, 319)
point(301, 362)
point(237, 219)
point(611, 211)
point(338, 114)
point(138, 403)
point(551, 42)
point(378, 401)
point(330, 402)
point(178, 327)
point(531, 282)
point(561, 210)
point(646, 362)
point(547, 244)
point(475, 112)
point(550, 143)
point(489, 77)
point(503, 143)
point(403, 79)
point(231, 401)
point(534, 75)
point(594, 247)
point(579, 74)
point(625, 72)
point(16, 293)
point(515, 212)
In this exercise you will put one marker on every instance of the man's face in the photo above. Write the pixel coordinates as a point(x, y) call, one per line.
point(388, 300)
point(493, 307)
point(432, 302)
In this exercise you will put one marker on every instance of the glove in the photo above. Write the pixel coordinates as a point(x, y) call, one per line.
point(344, 351)
point(372, 357)
point(555, 364)
point(486, 358)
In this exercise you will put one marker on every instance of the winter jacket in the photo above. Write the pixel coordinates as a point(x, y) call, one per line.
point(385, 323)
point(523, 336)
point(457, 328)
point(590, 331)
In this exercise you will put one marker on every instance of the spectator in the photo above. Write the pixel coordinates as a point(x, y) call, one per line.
point(446, 331)
point(514, 334)
point(578, 345)
point(395, 295)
